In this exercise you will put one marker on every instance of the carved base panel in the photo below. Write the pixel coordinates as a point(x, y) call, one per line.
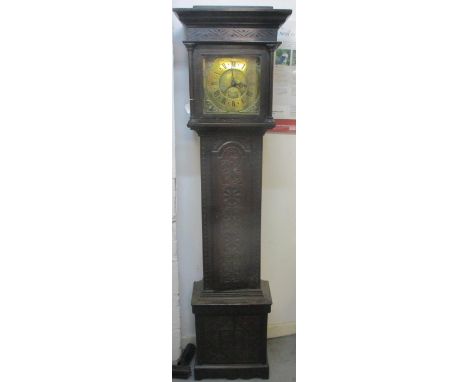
point(231, 333)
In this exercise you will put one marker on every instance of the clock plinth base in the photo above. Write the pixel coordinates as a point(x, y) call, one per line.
point(244, 371)
point(231, 329)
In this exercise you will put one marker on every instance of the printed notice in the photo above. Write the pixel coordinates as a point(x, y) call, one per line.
point(284, 85)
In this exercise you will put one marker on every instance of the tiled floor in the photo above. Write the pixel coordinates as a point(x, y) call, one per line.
point(282, 360)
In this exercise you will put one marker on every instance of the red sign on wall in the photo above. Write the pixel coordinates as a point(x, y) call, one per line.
point(284, 126)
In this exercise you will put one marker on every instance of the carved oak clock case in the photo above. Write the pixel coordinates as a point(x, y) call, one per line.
point(231, 57)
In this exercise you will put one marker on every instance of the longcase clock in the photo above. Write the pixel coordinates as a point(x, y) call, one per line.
point(231, 57)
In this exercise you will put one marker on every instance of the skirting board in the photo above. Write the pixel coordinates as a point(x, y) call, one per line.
point(273, 330)
point(281, 329)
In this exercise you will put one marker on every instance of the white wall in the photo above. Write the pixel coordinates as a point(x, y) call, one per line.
point(278, 259)
point(278, 204)
point(176, 335)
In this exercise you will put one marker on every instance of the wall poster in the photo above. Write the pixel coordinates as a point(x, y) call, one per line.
point(284, 86)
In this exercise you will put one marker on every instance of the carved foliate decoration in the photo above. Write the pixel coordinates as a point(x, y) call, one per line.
point(220, 34)
point(236, 338)
point(231, 230)
point(231, 160)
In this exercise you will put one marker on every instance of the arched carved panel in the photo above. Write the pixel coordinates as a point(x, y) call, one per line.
point(231, 211)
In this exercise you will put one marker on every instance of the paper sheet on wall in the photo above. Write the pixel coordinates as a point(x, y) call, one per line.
point(284, 85)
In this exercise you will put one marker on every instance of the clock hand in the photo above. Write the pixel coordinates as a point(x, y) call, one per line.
point(233, 82)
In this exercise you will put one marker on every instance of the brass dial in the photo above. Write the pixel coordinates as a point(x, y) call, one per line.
point(232, 85)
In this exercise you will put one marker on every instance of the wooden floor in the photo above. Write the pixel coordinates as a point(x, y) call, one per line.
point(282, 360)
